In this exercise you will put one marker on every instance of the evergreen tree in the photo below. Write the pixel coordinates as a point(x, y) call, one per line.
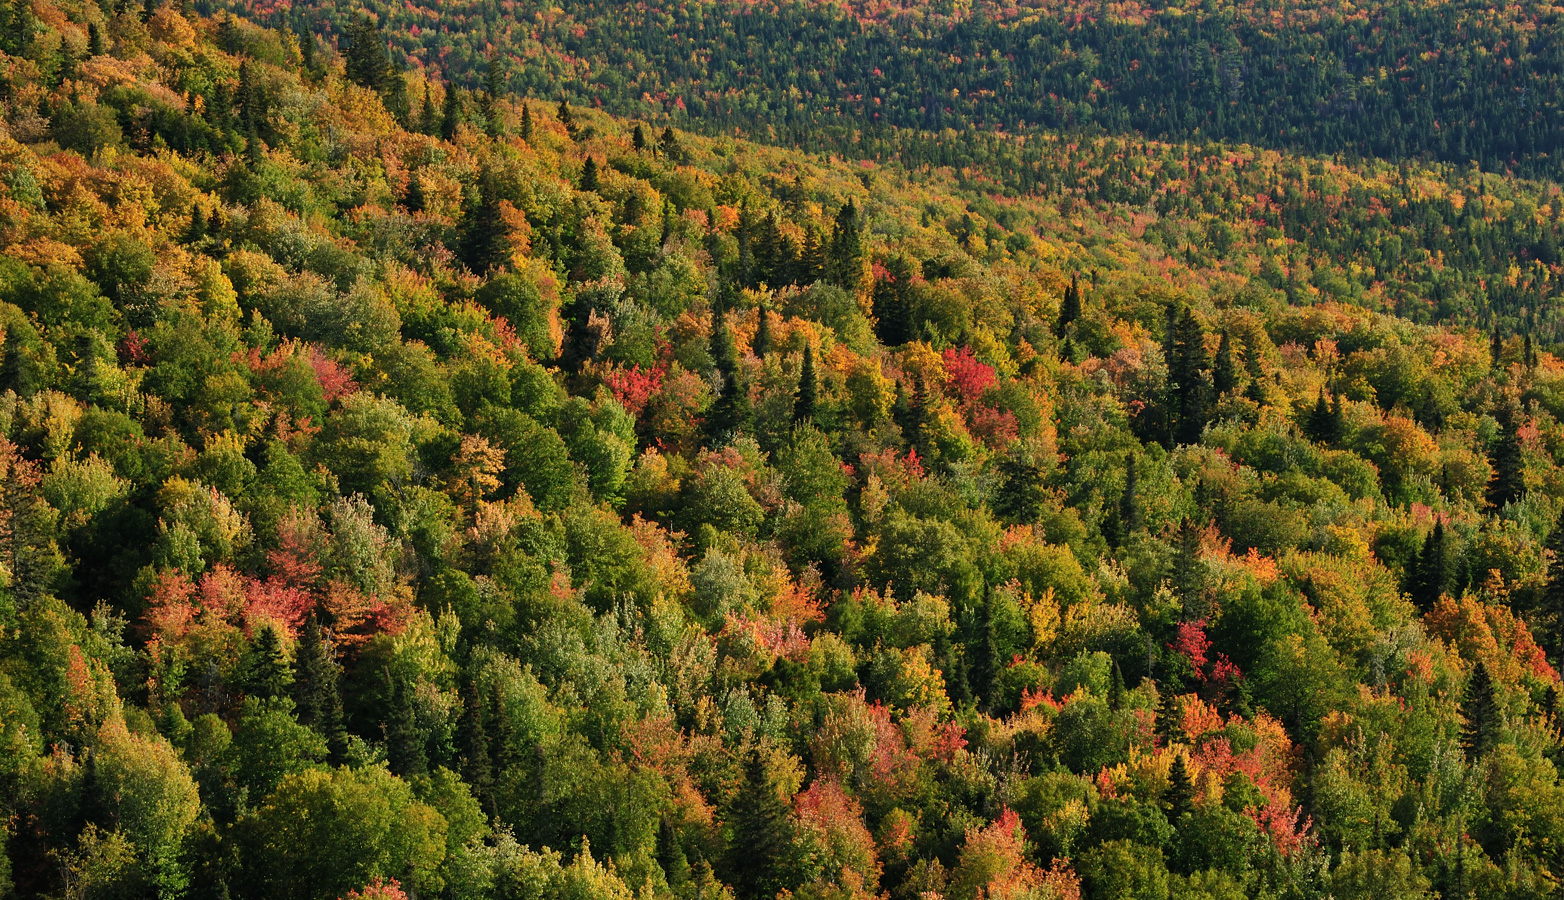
point(1022, 494)
point(1224, 371)
point(94, 39)
point(365, 59)
point(1553, 592)
point(1495, 350)
point(1509, 480)
point(670, 855)
point(450, 113)
point(1529, 353)
point(566, 119)
point(1179, 800)
point(757, 857)
point(195, 232)
point(844, 256)
point(761, 345)
point(307, 50)
point(668, 145)
point(404, 738)
point(1481, 716)
point(638, 138)
point(493, 90)
point(1431, 574)
point(1188, 378)
point(1130, 517)
point(589, 175)
point(1169, 728)
point(482, 243)
point(729, 414)
point(472, 743)
point(1069, 307)
point(526, 121)
point(428, 119)
point(315, 692)
point(148, 8)
point(808, 388)
point(266, 671)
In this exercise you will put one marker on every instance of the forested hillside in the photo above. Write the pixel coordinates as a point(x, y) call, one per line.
point(1391, 78)
point(419, 491)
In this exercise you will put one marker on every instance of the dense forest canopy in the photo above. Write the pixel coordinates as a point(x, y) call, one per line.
point(410, 487)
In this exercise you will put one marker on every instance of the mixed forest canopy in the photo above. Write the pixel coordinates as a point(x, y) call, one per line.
point(413, 487)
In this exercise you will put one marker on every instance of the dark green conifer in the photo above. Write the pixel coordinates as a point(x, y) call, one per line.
point(762, 837)
point(266, 671)
point(1179, 800)
point(589, 175)
point(808, 388)
point(1509, 478)
point(472, 740)
point(450, 113)
point(315, 691)
point(1481, 718)
point(638, 138)
point(526, 121)
point(761, 345)
point(404, 738)
point(1224, 371)
point(1431, 574)
point(1069, 307)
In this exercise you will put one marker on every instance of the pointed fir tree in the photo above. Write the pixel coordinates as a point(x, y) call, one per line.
point(1188, 376)
point(428, 118)
point(808, 388)
point(1179, 801)
point(1431, 574)
point(482, 241)
point(266, 671)
point(589, 175)
point(762, 834)
point(1224, 370)
point(404, 739)
point(1480, 714)
point(196, 230)
point(1509, 479)
point(668, 145)
point(365, 59)
point(1495, 350)
point(317, 698)
point(1553, 591)
point(729, 414)
point(566, 119)
point(844, 255)
point(1022, 493)
point(761, 345)
point(1169, 728)
point(450, 113)
point(493, 91)
point(1131, 520)
point(307, 60)
point(148, 9)
point(671, 856)
point(1069, 307)
point(526, 121)
point(472, 743)
point(638, 138)
point(1529, 352)
point(94, 39)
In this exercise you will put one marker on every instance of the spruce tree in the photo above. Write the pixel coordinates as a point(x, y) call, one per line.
point(428, 119)
point(1022, 493)
point(307, 50)
point(1553, 592)
point(482, 243)
point(315, 691)
point(761, 345)
point(265, 669)
point(472, 743)
point(757, 857)
point(638, 138)
point(526, 121)
point(450, 113)
point(1169, 728)
point(1224, 371)
point(1509, 480)
point(668, 145)
point(844, 256)
point(1130, 517)
point(1431, 574)
point(566, 119)
point(589, 175)
point(365, 59)
point(1189, 378)
point(404, 738)
point(1480, 714)
point(1495, 350)
point(729, 414)
point(493, 90)
point(670, 855)
point(1069, 307)
point(808, 388)
point(94, 39)
point(1179, 800)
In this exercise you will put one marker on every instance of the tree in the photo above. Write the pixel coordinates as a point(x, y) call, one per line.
point(731, 413)
point(1179, 800)
point(566, 119)
point(761, 345)
point(405, 738)
point(365, 59)
point(1509, 477)
point(1069, 307)
point(1553, 592)
point(483, 244)
point(1189, 384)
point(450, 113)
point(638, 138)
point(526, 121)
point(493, 90)
point(1131, 519)
point(315, 688)
point(1481, 717)
point(589, 175)
point(758, 855)
point(472, 742)
point(428, 119)
point(844, 256)
point(1431, 574)
point(265, 666)
point(804, 407)
point(1224, 372)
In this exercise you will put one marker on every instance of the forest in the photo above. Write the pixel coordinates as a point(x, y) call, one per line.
point(417, 485)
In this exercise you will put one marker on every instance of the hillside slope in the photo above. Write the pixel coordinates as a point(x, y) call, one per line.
point(419, 493)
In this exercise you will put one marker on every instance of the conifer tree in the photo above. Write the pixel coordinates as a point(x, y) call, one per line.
point(1179, 799)
point(1022, 491)
point(404, 738)
point(1431, 575)
point(315, 691)
point(482, 243)
point(808, 388)
point(1188, 377)
point(1169, 727)
point(761, 345)
point(472, 739)
point(94, 39)
point(1224, 371)
point(1480, 714)
point(1509, 480)
point(844, 257)
point(729, 414)
point(638, 138)
point(428, 119)
point(526, 121)
point(1069, 307)
point(566, 119)
point(762, 835)
point(450, 113)
point(1553, 592)
point(265, 669)
point(1130, 517)
point(493, 90)
point(365, 58)
point(668, 145)
point(307, 60)
point(671, 856)
point(589, 175)
point(1495, 350)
